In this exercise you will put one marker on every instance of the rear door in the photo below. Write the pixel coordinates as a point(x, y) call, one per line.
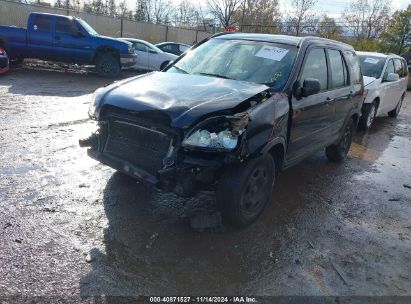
point(341, 94)
point(39, 37)
point(312, 115)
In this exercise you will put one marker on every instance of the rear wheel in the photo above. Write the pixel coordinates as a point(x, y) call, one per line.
point(245, 190)
point(107, 65)
point(339, 151)
point(394, 113)
point(16, 61)
point(368, 115)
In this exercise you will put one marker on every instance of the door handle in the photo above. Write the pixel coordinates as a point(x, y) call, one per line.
point(328, 100)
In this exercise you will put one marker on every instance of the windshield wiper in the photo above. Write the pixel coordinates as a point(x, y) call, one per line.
point(180, 69)
point(215, 75)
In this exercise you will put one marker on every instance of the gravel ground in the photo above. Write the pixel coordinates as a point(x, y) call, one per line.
point(73, 228)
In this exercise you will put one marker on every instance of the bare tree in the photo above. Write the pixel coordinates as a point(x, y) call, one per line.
point(367, 19)
point(327, 28)
point(161, 10)
point(186, 13)
point(302, 17)
point(224, 10)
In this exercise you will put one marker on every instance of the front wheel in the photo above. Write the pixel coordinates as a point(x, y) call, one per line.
point(107, 66)
point(244, 190)
point(394, 113)
point(339, 151)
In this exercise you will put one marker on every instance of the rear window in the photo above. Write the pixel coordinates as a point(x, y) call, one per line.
point(42, 23)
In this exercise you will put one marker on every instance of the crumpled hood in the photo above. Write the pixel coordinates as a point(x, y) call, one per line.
point(368, 80)
point(184, 98)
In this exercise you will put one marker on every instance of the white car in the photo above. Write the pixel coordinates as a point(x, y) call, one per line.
point(385, 84)
point(149, 57)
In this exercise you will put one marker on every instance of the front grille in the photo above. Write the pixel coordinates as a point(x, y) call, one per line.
point(3, 62)
point(139, 145)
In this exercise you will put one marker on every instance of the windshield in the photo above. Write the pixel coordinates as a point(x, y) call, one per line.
point(87, 27)
point(371, 66)
point(252, 61)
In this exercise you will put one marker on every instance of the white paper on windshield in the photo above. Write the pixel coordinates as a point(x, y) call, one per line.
point(272, 52)
point(371, 60)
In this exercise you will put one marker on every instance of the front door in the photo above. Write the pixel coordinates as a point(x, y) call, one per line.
point(70, 42)
point(312, 115)
point(39, 38)
point(390, 90)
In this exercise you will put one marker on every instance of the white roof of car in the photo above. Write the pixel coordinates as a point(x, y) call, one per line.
point(376, 54)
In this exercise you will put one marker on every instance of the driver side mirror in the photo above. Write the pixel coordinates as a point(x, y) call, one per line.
point(391, 77)
point(152, 52)
point(310, 86)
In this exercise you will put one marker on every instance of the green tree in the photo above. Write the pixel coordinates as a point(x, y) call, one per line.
point(328, 28)
point(397, 37)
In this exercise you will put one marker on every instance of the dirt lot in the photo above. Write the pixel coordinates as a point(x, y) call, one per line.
point(73, 227)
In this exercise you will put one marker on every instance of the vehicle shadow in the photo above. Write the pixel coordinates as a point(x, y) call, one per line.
point(53, 80)
point(149, 247)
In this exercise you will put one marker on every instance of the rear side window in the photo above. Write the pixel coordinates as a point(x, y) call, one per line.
point(338, 69)
point(354, 65)
point(389, 69)
point(42, 23)
point(183, 48)
point(315, 66)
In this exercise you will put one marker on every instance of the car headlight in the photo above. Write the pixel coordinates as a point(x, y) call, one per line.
point(95, 102)
point(130, 49)
point(219, 133)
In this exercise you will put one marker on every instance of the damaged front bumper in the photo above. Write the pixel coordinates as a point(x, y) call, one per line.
point(155, 156)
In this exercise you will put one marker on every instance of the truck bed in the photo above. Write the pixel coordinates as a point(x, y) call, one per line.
point(14, 40)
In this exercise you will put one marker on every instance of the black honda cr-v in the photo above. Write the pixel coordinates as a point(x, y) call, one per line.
point(229, 115)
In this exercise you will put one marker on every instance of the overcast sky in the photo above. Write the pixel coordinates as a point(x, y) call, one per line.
point(335, 7)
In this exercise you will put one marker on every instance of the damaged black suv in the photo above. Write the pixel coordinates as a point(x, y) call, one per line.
point(229, 115)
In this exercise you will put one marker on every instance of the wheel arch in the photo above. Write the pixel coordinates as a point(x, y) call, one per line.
point(106, 50)
point(276, 148)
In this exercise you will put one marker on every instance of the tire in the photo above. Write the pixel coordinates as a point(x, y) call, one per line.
point(244, 190)
point(17, 61)
point(107, 66)
point(368, 115)
point(339, 151)
point(394, 113)
point(163, 65)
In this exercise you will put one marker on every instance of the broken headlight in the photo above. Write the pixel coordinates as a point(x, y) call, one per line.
point(219, 133)
point(95, 102)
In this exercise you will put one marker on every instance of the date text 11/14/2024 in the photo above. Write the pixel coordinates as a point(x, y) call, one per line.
point(205, 299)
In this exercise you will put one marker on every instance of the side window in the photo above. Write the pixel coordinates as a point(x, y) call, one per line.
point(315, 66)
point(183, 48)
point(42, 23)
point(64, 25)
point(338, 69)
point(389, 69)
point(398, 67)
point(140, 47)
point(355, 68)
point(167, 48)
